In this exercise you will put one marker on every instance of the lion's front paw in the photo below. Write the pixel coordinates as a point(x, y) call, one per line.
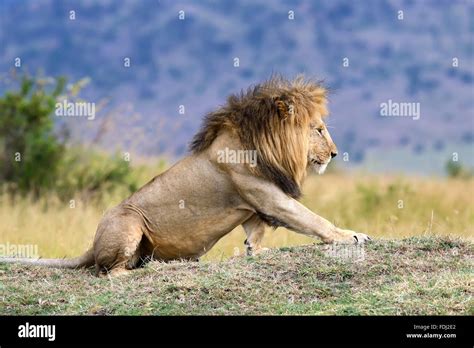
point(361, 238)
point(350, 237)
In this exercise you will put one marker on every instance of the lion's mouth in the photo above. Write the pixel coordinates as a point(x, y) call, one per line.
point(315, 162)
point(318, 166)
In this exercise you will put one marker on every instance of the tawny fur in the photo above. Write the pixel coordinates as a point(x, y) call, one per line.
point(183, 212)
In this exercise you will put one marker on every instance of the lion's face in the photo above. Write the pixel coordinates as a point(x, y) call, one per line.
point(321, 147)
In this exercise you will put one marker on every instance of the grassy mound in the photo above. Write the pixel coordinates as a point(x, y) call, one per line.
point(415, 276)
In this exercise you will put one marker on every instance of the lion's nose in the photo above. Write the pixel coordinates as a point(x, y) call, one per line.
point(333, 154)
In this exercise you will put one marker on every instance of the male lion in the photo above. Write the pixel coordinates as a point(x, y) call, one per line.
point(183, 212)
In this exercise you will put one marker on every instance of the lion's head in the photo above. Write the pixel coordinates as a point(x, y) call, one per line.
point(284, 122)
point(321, 149)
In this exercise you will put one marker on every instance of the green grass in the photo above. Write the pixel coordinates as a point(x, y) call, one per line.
point(425, 276)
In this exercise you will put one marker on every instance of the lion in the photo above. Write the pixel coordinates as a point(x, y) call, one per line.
point(183, 212)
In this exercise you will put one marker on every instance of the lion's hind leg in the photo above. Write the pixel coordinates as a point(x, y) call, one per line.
point(115, 272)
point(117, 247)
point(254, 229)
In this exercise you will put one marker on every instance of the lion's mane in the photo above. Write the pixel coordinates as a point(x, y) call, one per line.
point(272, 118)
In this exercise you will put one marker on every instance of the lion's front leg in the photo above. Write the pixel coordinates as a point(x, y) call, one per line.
point(278, 209)
point(349, 237)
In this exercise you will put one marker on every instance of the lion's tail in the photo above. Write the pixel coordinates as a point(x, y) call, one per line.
point(83, 261)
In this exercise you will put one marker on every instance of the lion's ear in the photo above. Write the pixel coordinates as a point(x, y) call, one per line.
point(284, 107)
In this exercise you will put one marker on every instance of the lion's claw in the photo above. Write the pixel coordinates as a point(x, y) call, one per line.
point(361, 238)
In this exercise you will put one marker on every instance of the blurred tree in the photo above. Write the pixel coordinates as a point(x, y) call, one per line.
point(453, 169)
point(29, 151)
point(36, 159)
point(457, 170)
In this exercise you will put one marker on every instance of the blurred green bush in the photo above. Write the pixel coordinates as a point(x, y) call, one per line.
point(457, 170)
point(34, 159)
point(30, 152)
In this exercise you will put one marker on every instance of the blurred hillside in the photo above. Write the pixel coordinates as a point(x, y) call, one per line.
point(190, 62)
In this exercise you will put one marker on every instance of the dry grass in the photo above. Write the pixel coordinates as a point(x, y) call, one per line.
point(416, 276)
point(360, 202)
